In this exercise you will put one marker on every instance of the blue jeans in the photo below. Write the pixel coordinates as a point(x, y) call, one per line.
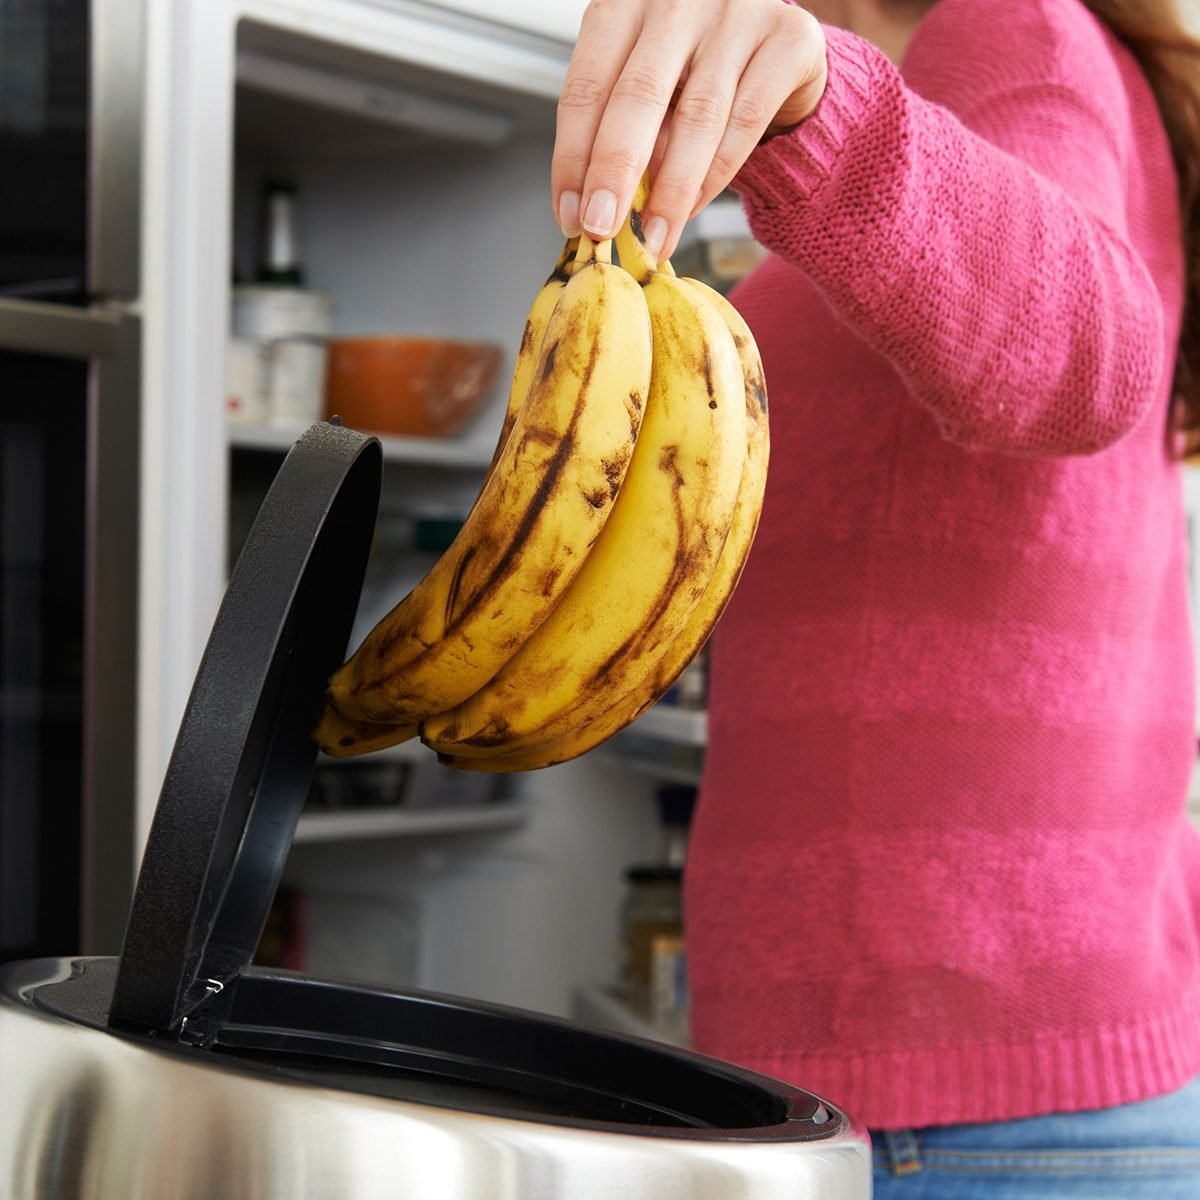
point(1146, 1150)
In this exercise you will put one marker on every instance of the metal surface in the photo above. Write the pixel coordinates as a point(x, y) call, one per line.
point(116, 120)
point(110, 666)
point(116, 115)
point(111, 339)
point(87, 1114)
point(34, 327)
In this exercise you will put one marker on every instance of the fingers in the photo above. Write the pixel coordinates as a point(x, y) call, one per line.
point(726, 71)
point(805, 45)
point(632, 118)
point(710, 137)
point(711, 99)
point(607, 34)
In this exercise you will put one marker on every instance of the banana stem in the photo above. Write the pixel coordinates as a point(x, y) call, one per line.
point(590, 252)
point(635, 258)
point(642, 194)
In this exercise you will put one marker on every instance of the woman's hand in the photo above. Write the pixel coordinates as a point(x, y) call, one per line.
point(687, 88)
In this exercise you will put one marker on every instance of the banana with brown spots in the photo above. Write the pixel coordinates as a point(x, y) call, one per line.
point(621, 711)
point(344, 737)
point(655, 558)
point(531, 529)
point(532, 336)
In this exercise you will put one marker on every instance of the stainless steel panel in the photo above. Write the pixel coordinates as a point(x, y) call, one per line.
point(110, 668)
point(33, 327)
point(85, 1114)
point(112, 340)
point(118, 97)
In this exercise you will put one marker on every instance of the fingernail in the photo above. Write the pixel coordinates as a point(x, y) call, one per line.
point(601, 214)
point(654, 234)
point(568, 214)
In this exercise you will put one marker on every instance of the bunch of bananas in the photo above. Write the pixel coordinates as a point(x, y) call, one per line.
point(607, 538)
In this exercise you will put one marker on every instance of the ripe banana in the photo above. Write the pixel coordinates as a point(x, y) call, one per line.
point(531, 342)
point(536, 518)
point(344, 737)
point(341, 737)
point(620, 712)
point(637, 590)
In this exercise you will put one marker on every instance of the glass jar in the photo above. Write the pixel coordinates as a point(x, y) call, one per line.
point(651, 918)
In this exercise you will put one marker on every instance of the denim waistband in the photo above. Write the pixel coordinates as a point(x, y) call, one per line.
point(1159, 1136)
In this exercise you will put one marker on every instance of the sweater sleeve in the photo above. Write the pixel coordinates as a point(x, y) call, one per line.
point(984, 255)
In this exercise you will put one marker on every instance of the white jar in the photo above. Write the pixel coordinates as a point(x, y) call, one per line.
point(246, 383)
point(268, 313)
point(296, 391)
point(291, 327)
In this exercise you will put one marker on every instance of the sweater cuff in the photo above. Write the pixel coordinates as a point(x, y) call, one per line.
point(793, 166)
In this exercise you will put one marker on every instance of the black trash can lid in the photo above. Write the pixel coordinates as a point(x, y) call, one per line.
point(243, 758)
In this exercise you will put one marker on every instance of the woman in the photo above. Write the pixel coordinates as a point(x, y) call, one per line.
point(941, 870)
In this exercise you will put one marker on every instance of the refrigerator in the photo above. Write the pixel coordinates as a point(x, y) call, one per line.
point(70, 417)
point(178, 114)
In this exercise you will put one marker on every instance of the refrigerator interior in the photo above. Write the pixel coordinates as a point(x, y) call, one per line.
point(422, 233)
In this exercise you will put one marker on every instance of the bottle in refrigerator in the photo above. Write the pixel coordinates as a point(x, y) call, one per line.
point(651, 908)
point(279, 250)
point(280, 329)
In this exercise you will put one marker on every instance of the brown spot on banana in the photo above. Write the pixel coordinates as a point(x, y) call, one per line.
point(494, 733)
point(564, 268)
point(605, 667)
point(759, 388)
point(455, 584)
point(634, 408)
point(683, 566)
point(589, 369)
point(544, 437)
point(614, 472)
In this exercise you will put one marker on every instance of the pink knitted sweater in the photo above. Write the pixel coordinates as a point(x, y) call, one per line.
point(941, 869)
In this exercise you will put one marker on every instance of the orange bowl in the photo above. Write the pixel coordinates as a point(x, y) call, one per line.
point(418, 387)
